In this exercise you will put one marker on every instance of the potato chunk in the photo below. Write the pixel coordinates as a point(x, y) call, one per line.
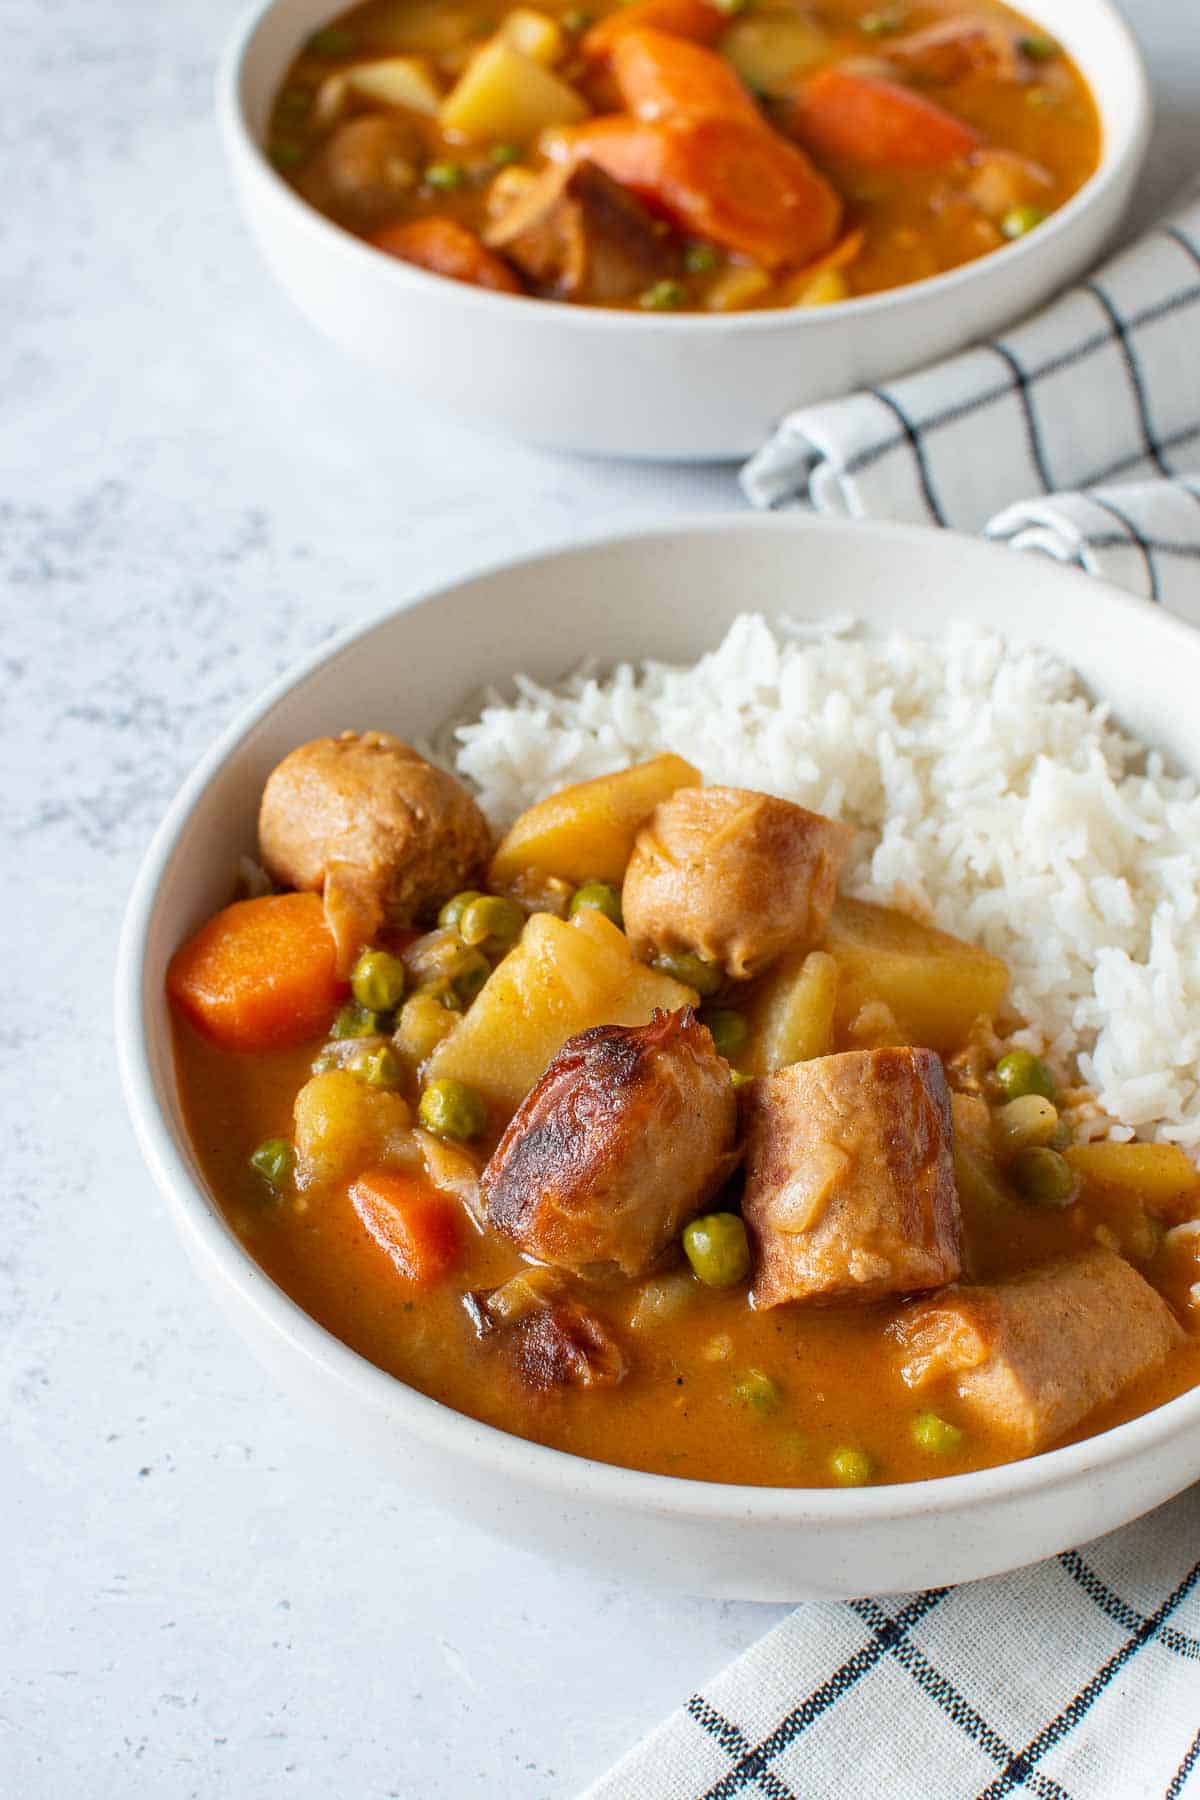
point(561, 979)
point(934, 985)
point(506, 96)
point(1161, 1176)
point(533, 34)
point(791, 1014)
point(586, 832)
point(342, 1126)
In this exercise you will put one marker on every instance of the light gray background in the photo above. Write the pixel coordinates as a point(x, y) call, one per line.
point(199, 1595)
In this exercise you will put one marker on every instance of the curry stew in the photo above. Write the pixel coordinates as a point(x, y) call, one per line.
point(631, 1135)
point(704, 155)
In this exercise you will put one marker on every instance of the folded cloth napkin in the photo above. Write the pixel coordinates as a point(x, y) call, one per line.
point(1099, 390)
point(1076, 1680)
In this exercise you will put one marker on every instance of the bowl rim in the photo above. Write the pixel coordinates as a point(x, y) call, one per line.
point(491, 1449)
point(1125, 143)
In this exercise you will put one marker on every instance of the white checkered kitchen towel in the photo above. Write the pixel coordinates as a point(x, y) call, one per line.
point(1078, 1679)
point(1092, 407)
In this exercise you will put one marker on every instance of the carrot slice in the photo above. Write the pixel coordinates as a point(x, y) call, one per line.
point(409, 1219)
point(664, 77)
point(843, 115)
point(446, 248)
point(726, 179)
point(260, 975)
point(697, 19)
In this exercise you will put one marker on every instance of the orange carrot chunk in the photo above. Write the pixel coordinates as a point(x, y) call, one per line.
point(410, 1220)
point(262, 974)
point(663, 77)
point(734, 182)
point(697, 19)
point(844, 116)
point(446, 248)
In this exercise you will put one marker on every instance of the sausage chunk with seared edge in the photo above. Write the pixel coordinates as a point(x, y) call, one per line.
point(850, 1191)
point(625, 1138)
point(1031, 1356)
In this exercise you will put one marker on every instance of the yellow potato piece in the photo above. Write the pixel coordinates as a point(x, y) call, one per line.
point(735, 287)
point(825, 289)
point(586, 832)
point(342, 1125)
point(397, 81)
point(934, 985)
point(1161, 1176)
point(791, 1013)
point(769, 48)
point(560, 979)
point(533, 34)
point(505, 96)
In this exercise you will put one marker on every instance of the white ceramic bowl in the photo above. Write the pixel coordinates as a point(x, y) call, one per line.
point(636, 384)
point(667, 593)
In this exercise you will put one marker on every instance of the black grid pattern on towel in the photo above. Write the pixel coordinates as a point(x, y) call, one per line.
point(1128, 533)
point(751, 1770)
point(1153, 454)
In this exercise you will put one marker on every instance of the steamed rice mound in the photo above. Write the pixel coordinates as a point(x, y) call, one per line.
point(989, 793)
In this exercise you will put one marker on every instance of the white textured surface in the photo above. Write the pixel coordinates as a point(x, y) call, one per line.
point(199, 1596)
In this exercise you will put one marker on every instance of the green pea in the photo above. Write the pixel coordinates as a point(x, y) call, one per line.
point(598, 896)
point(273, 1160)
point(491, 920)
point(1043, 1176)
point(851, 1468)
point(935, 1434)
point(698, 259)
point(882, 24)
point(454, 908)
point(504, 154)
point(377, 981)
point(451, 1109)
point(739, 1078)
point(729, 1030)
point(379, 1068)
point(469, 975)
point(285, 153)
point(444, 176)
point(354, 1021)
point(692, 971)
point(758, 1391)
point(664, 296)
point(334, 40)
point(1020, 1073)
point(1019, 220)
point(718, 1249)
point(1038, 49)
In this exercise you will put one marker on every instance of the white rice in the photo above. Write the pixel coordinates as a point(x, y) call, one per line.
point(988, 793)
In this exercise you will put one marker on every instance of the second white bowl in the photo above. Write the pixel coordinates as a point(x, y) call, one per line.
point(633, 384)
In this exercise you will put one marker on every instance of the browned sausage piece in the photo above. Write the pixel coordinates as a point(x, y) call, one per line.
point(850, 1189)
point(578, 233)
point(623, 1140)
point(370, 824)
point(1032, 1356)
point(732, 876)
